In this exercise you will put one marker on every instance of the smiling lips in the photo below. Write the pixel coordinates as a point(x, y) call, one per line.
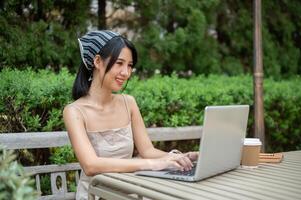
point(119, 81)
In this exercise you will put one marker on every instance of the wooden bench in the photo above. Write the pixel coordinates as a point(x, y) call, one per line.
point(36, 140)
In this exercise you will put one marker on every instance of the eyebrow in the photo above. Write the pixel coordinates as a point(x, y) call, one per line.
point(123, 60)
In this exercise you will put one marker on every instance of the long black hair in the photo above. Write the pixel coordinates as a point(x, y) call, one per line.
point(112, 49)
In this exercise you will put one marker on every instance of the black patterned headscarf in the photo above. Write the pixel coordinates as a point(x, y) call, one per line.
point(91, 43)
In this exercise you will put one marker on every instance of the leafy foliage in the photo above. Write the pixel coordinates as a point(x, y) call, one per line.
point(206, 37)
point(214, 36)
point(14, 183)
point(63, 155)
point(41, 35)
point(171, 101)
point(33, 101)
point(282, 114)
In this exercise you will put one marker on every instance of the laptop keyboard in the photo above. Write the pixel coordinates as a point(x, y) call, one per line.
point(183, 173)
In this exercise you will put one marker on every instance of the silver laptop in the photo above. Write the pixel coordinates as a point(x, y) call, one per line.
point(224, 130)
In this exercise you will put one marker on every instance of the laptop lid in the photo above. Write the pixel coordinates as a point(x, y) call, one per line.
point(224, 130)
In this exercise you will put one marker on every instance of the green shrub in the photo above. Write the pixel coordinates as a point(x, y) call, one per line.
point(283, 114)
point(33, 101)
point(170, 101)
point(63, 155)
point(14, 183)
point(45, 184)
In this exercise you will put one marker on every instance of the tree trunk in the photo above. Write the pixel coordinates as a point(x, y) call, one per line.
point(38, 15)
point(40, 10)
point(102, 14)
point(2, 5)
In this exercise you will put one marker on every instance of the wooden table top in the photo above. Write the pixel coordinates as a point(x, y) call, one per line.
point(268, 181)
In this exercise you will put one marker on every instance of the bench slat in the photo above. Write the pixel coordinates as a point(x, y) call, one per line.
point(38, 183)
point(66, 196)
point(41, 169)
point(175, 133)
point(35, 140)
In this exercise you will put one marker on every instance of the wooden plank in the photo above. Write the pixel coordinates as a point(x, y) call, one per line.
point(122, 186)
point(274, 175)
point(108, 193)
point(171, 186)
point(238, 191)
point(177, 133)
point(181, 188)
point(38, 183)
point(35, 140)
point(274, 190)
point(66, 196)
point(41, 169)
point(76, 177)
point(261, 183)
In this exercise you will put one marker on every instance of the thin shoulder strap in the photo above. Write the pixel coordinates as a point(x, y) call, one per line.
point(82, 113)
point(126, 105)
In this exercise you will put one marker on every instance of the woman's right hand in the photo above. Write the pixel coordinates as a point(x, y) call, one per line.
point(160, 164)
point(171, 161)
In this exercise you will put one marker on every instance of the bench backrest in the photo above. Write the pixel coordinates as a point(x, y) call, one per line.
point(35, 140)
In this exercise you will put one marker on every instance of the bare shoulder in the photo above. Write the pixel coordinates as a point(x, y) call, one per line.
point(71, 110)
point(73, 119)
point(130, 97)
point(131, 100)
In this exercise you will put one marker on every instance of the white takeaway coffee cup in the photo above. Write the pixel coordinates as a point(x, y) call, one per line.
point(250, 153)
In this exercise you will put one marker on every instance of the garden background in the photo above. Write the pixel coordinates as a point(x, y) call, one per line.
point(191, 54)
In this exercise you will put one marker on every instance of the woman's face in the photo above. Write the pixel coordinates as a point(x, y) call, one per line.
point(120, 71)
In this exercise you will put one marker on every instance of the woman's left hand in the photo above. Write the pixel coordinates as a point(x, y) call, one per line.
point(184, 159)
point(192, 155)
point(181, 159)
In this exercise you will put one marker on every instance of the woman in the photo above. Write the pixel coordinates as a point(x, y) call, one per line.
point(103, 126)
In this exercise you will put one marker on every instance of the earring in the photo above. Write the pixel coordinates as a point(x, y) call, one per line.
point(90, 79)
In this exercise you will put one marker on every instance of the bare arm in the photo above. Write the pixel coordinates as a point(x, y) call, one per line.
point(91, 163)
point(141, 138)
point(144, 144)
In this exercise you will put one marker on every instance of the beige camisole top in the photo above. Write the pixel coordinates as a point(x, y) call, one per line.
point(110, 143)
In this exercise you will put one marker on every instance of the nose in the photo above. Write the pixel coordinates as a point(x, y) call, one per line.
point(125, 71)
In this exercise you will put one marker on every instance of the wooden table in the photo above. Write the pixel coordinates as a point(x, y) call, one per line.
point(268, 181)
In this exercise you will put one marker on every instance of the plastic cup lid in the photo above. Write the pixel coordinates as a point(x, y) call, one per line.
point(252, 141)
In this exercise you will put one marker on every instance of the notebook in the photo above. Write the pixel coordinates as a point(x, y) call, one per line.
point(224, 130)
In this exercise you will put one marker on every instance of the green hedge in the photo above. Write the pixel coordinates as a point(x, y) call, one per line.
point(170, 101)
point(33, 101)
